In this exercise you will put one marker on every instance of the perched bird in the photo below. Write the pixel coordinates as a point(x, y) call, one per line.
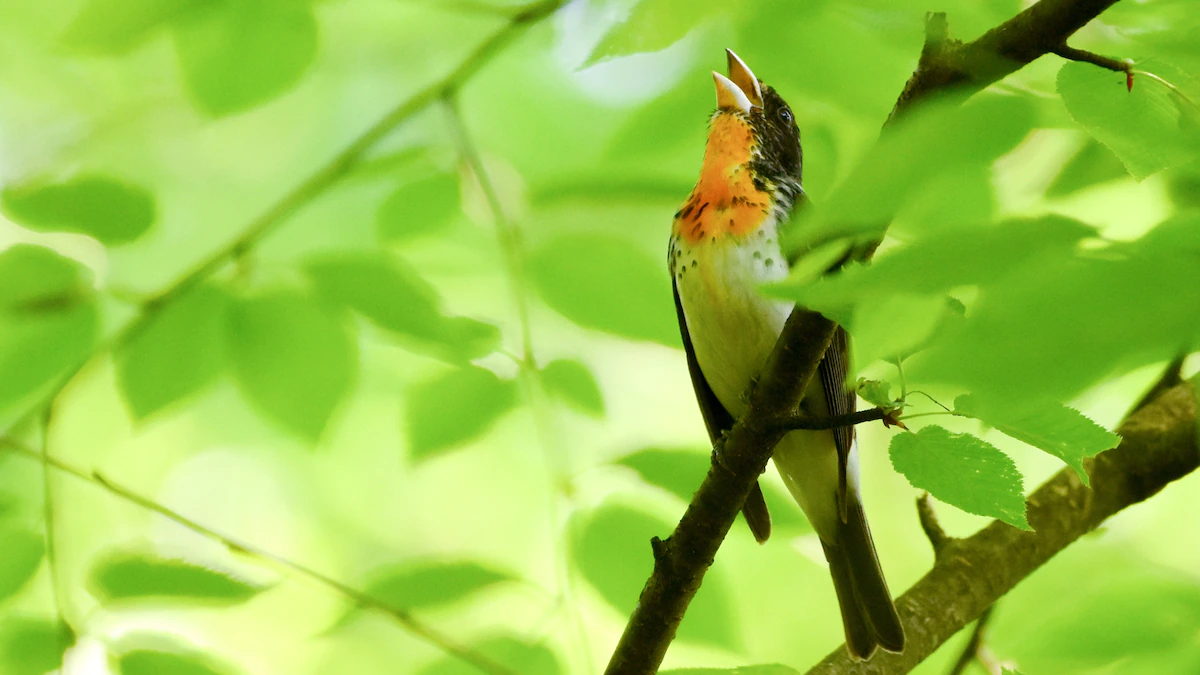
point(725, 241)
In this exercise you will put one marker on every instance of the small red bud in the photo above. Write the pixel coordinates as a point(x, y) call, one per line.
point(1129, 80)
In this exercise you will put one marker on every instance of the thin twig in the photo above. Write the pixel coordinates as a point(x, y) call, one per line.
point(793, 422)
point(1115, 65)
point(358, 597)
point(971, 651)
point(930, 525)
point(49, 530)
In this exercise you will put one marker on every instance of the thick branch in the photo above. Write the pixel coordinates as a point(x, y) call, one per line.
point(1158, 446)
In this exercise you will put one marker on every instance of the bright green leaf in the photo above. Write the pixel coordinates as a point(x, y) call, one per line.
point(130, 576)
point(182, 662)
point(962, 470)
point(30, 646)
point(177, 354)
point(1151, 128)
point(34, 278)
point(606, 283)
point(876, 392)
point(103, 207)
point(572, 382)
point(1092, 165)
point(117, 26)
point(653, 25)
point(455, 408)
point(1059, 430)
point(291, 358)
point(21, 558)
point(611, 547)
point(893, 327)
point(236, 54)
point(38, 346)
point(426, 584)
point(772, 669)
point(419, 208)
point(515, 654)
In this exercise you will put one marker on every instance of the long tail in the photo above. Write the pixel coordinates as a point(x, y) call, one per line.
point(868, 615)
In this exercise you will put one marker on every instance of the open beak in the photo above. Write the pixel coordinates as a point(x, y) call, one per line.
point(744, 78)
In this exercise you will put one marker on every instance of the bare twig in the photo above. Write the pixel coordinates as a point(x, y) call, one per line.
point(1116, 65)
point(929, 523)
point(798, 421)
point(971, 651)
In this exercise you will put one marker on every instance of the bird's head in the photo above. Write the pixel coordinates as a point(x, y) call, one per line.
point(752, 162)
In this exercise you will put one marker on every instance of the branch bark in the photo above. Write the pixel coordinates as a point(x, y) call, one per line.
point(1159, 445)
point(683, 558)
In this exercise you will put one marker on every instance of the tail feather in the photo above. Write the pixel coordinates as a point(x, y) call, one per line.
point(868, 614)
point(757, 515)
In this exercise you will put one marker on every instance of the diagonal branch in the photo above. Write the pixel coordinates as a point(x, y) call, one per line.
point(682, 559)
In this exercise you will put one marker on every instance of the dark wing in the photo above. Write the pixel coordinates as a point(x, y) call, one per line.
point(841, 401)
point(718, 420)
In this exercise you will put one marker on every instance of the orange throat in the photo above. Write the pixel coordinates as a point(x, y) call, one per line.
point(724, 200)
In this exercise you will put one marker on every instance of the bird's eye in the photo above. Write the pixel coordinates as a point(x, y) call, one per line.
point(785, 114)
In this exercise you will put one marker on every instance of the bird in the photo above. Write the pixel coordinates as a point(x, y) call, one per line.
point(726, 242)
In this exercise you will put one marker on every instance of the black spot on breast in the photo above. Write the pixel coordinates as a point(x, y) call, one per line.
point(701, 211)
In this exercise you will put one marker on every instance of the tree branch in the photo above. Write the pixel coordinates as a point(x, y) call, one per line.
point(806, 422)
point(1158, 446)
point(682, 559)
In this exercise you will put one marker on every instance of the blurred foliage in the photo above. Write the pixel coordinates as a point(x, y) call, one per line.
point(253, 268)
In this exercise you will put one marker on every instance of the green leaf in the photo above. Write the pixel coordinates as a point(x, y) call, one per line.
point(419, 208)
point(653, 25)
point(428, 584)
point(1092, 165)
point(876, 392)
point(1011, 671)
point(1059, 430)
point(103, 207)
point(38, 346)
point(513, 653)
point(117, 26)
point(131, 576)
point(291, 358)
point(572, 382)
point(178, 353)
point(962, 470)
point(772, 669)
point(22, 556)
point(181, 662)
point(611, 548)
point(31, 646)
point(35, 278)
point(455, 408)
point(237, 54)
point(893, 326)
point(393, 296)
point(606, 283)
point(1151, 128)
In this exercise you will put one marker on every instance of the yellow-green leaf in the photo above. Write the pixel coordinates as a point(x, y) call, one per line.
point(455, 408)
point(111, 210)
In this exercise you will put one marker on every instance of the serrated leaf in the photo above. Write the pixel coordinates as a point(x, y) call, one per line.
point(513, 653)
point(21, 558)
point(428, 584)
point(771, 669)
point(130, 576)
point(1059, 430)
point(1151, 128)
point(876, 392)
point(179, 353)
point(611, 548)
point(291, 358)
point(30, 646)
point(962, 470)
point(606, 283)
point(35, 278)
point(653, 25)
point(420, 208)
point(113, 211)
point(455, 408)
point(117, 26)
point(236, 54)
point(393, 296)
point(159, 662)
point(571, 381)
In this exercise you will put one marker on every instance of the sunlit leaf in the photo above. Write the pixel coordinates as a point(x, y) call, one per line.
point(182, 662)
point(773, 669)
point(893, 326)
point(117, 26)
point(572, 382)
point(432, 583)
point(513, 653)
point(1092, 165)
point(1061, 431)
point(236, 54)
point(653, 25)
point(876, 392)
point(611, 548)
point(113, 211)
point(30, 646)
point(291, 358)
point(34, 278)
point(180, 352)
point(606, 283)
point(962, 470)
point(455, 408)
point(22, 556)
point(37, 346)
point(1153, 127)
point(130, 576)
point(419, 208)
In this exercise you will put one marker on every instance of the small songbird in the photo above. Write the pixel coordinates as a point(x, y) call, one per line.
point(725, 242)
